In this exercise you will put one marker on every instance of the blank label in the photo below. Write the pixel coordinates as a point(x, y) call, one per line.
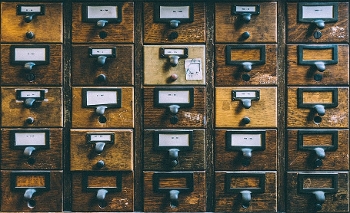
point(174, 12)
point(30, 54)
point(101, 97)
point(313, 12)
point(174, 140)
point(246, 140)
point(95, 12)
point(30, 139)
point(170, 97)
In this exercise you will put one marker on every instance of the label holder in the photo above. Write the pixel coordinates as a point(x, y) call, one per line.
point(230, 147)
point(333, 176)
point(261, 61)
point(229, 176)
point(156, 141)
point(21, 98)
point(114, 105)
point(182, 105)
point(311, 20)
point(332, 147)
point(314, 89)
point(301, 60)
point(234, 10)
point(187, 175)
point(89, 139)
point(20, 12)
point(86, 19)
point(15, 174)
point(13, 138)
point(158, 19)
point(87, 188)
point(37, 62)
point(163, 54)
point(112, 55)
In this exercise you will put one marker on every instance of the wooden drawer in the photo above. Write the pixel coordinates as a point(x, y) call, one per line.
point(245, 64)
point(157, 26)
point(88, 107)
point(31, 107)
point(43, 67)
point(319, 107)
point(245, 150)
point(88, 191)
point(107, 149)
point(101, 64)
point(170, 149)
point(246, 192)
point(44, 24)
point(88, 22)
point(174, 191)
point(232, 26)
point(246, 107)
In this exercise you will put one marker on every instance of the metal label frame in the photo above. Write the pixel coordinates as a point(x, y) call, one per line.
point(230, 175)
point(333, 176)
point(19, 12)
point(117, 90)
point(301, 60)
point(163, 55)
point(156, 146)
point(189, 181)
point(85, 184)
point(311, 20)
point(156, 12)
point(260, 47)
point(256, 98)
point(13, 138)
point(235, 12)
point(332, 147)
point(113, 55)
point(229, 147)
point(89, 141)
point(315, 89)
point(94, 20)
point(41, 98)
point(182, 105)
point(14, 174)
point(13, 55)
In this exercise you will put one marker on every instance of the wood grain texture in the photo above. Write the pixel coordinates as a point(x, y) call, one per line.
point(116, 201)
point(335, 74)
point(303, 32)
point(117, 156)
point(119, 71)
point(46, 28)
point(187, 32)
point(262, 27)
point(48, 113)
point(232, 160)
point(188, 201)
point(50, 74)
point(228, 75)
point(261, 202)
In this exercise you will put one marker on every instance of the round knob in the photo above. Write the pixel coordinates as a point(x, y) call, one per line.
point(173, 35)
point(174, 119)
point(100, 164)
point(246, 120)
point(245, 35)
point(317, 34)
point(174, 77)
point(101, 78)
point(29, 35)
point(30, 120)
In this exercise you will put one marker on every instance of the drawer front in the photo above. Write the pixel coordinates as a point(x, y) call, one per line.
point(246, 192)
point(332, 185)
point(246, 107)
point(245, 149)
point(161, 188)
point(43, 25)
point(318, 107)
point(103, 191)
point(318, 64)
point(107, 149)
point(174, 64)
point(188, 25)
point(88, 107)
point(232, 25)
point(17, 191)
point(178, 149)
point(101, 64)
point(333, 24)
point(246, 64)
point(31, 107)
point(187, 107)
point(88, 24)
point(44, 67)
point(315, 149)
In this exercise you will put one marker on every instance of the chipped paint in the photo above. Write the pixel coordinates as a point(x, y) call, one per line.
point(338, 32)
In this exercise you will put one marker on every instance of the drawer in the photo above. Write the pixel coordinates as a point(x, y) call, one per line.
point(318, 149)
point(174, 191)
point(91, 22)
point(101, 107)
point(245, 64)
point(31, 22)
point(317, 191)
point(107, 149)
point(246, 149)
point(174, 22)
point(182, 107)
point(246, 107)
point(245, 191)
point(39, 148)
point(102, 64)
point(174, 64)
point(318, 107)
point(318, 64)
point(174, 149)
point(102, 191)
point(31, 107)
point(31, 64)
point(31, 191)
point(318, 22)
point(246, 22)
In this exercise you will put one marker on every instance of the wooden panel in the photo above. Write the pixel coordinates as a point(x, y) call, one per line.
point(188, 201)
point(303, 32)
point(232, 160)
point(46, 28)
point(304, 117)
point(261, 202)
point(122, 32)
point(188, 160)
point(117, 156)
point(116, 201)
point(335, 74)
point(262, 27)
point(228, 75)
point(187, 32)
point(50, 74)
point(304, 159)
point(262, 113)
point(116, 117)
point(48, 114)
point(118, 71)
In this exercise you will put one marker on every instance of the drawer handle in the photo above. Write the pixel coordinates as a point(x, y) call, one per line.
point(99, 147)
point(101, 23)
point(101, 60)
point(320, 198)
point(320, 109)
point(174, 23)
point(174, 157)
point(29, 65)
point(101, 194)
point(100, 110)
point(174, 198)
point(246, 198)
point(320, 154)
point(174, 109)
point(28, 151)
point(319, 23)
point(28, 194)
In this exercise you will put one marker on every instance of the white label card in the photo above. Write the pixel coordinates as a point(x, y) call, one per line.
point(96, 12)
point(246, 140)
point(101, 97)
point(101, 52)
point(174, 140)
point(193, 69)
point(30, 54)
point(174, 12)
point(174, 51)
point(248, 9)
point(99, 138)
point(173, 96)
point(313, 12)
point(246, 94)
point(31, 9)
point(30, 94)
point(30, 139)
